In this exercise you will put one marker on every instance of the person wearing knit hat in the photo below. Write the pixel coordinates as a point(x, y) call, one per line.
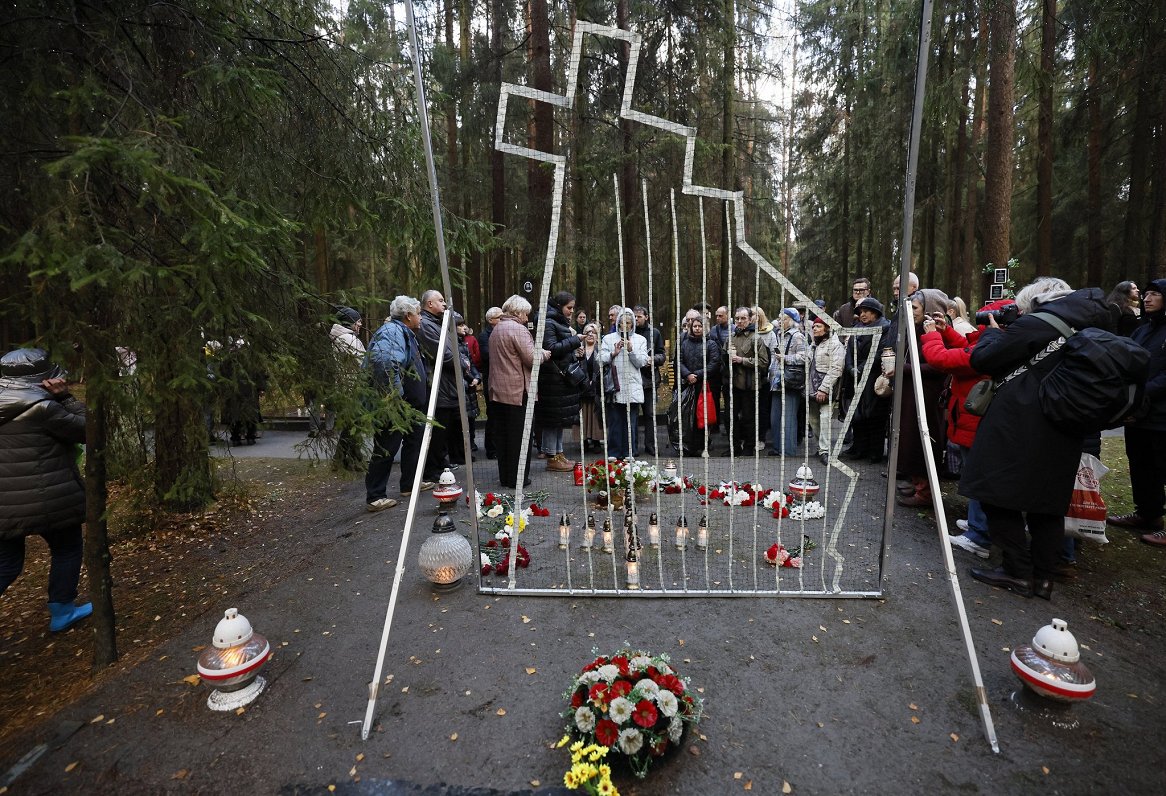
point(1145, 438)
point(41, 492)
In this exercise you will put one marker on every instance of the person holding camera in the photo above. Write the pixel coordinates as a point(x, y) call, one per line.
point(1022, 466)
point(622, 353)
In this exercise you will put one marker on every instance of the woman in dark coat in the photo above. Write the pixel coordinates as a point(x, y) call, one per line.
point(870, 415)
point(698, 363)
point(1022, 467)
point(41, 492)
point(558, 400)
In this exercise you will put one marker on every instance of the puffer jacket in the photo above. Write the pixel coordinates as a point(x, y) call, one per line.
point(40, 486)
point(558, 401)
point(698, 357)
point(1020, 459)
point(627, 363)
point(827, 361)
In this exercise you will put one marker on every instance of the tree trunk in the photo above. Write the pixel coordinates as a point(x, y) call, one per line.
point(999, 155)
point(320, 257)
point(728, 145)
point(969, 263)
point(473, 304)
point(1157, 264)
point(1094, 261)
point(1134, 258)
point(182, 474)
point(97, 555)
point(1044, 140)
point(499, 284)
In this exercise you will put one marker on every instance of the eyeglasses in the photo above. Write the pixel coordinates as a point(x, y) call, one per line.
point(862, 290)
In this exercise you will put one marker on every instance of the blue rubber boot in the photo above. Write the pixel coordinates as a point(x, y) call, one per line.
point(65, 615)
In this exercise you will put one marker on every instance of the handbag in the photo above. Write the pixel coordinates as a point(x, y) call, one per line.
point(793, 376)
point(574, 373)
point(706, 408)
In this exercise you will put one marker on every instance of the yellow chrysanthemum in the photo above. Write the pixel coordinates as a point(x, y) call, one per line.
point(577, 746)
point(605, 771)
point(570, 780)
point(607, 789)
point(563, 741)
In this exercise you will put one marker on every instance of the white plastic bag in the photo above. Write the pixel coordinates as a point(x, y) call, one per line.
point(1086, 517)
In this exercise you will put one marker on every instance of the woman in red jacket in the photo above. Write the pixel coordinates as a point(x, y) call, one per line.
point(950, 352)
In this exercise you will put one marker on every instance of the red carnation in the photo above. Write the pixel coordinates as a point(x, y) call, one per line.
point(645, 714)
point(606, 732)
point(577, 699)
point(620, 688)
point(598, 693)
point(622, 662)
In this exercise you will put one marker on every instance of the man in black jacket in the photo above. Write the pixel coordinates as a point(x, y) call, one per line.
point(41, 492)
point(446, 448)
point(649, 374)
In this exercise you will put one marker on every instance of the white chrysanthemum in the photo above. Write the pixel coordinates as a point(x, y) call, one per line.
point(662, 667)
point(675, 729)
point(648, 688)
point(608, 672)
point(585, 719)
point(668, 702)
point(485, 560)
point(589, 678)
point(620, 710)
point(640, 662)
point(630, 741)
point(494, 511)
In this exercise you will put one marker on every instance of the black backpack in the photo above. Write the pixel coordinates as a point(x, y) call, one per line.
point(1095, 381)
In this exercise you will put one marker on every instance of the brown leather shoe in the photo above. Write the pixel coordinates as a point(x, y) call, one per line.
point(1157, 538)
point(560, 464)
point(1135, 522)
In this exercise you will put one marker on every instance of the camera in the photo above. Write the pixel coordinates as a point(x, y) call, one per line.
point(1004, 315)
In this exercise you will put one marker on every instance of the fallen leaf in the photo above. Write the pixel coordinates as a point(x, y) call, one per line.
point(331, 788)
point(748, 785)
point(680, 641)
point(323, 713)
point(525, 620)
point(160, 711)
point(820, 627)
point(453, 737)
point(815, 638)
point(846, 621)
point(352, 771)
point(240, 711)
point(703, 737)
point(737, 775)
point(531, 670)
point(501, 711)
point(405, 690)
point(913, 706)
point(192, 679)
point(360, 757)
point(785, 787)
point(954, 737)
point(821, 725)
point(70, 767)
point(1044, 770)
point(181, 773)
point(98, 718)
point(694, 751)
point(914, 719)
point(997, 622)
point(534, 783)
point(318, 705)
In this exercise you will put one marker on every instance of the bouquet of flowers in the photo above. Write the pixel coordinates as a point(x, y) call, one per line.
point(498, 523)
point(633, 703)
point(778, 556)
point(584, 774)
point(610, 475)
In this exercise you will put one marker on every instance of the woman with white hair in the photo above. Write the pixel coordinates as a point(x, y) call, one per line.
point(511, 359)
point(1022, 467)
point(622, 353)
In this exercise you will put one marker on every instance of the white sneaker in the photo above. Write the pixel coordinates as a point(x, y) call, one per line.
point(381, 504)
point(964, 543)
point(962, 525)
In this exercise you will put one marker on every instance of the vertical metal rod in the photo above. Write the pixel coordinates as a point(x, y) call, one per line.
point(426, 435)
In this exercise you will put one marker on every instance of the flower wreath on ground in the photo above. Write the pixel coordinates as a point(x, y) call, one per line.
point(496, 520)
point(633, 703)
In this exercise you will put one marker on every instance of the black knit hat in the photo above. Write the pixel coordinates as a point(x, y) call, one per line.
point(869, 303)
point(347, 316)
point(29, 364)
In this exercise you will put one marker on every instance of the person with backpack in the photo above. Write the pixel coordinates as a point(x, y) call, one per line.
point(1146, 437)
point(1022, 465)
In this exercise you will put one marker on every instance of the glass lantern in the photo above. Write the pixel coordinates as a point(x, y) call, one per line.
point(446, 556)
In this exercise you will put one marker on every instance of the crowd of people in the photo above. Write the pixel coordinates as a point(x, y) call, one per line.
point(749, 386)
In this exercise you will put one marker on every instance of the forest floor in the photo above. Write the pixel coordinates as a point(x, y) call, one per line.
point(801, 695)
